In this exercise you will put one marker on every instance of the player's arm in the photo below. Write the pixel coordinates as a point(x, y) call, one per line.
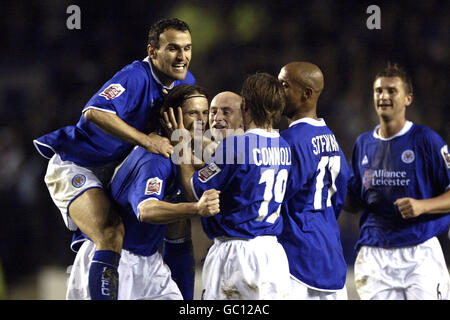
point(187, 170)
point(158, 211)
point(411, 208)
point(115, 126)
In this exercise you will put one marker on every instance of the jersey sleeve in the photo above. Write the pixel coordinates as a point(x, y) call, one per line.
point(149, 184)
point(354, 183)
point(121, 94)
point(214, 175)
point(438, 159)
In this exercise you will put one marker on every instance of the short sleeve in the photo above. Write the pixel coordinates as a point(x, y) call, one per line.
point(213, 175)
point(149, 184)
point(121, 94)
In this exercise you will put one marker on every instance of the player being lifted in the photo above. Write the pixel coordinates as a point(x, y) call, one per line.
point(113, 121)
point(143, 187)
point(315, 192)
point(400, 181)
point(246, 261)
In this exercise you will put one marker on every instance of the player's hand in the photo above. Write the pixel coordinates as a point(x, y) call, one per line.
point(209, 204)
point(409, 207)
point(173, 122)
point(159, 145)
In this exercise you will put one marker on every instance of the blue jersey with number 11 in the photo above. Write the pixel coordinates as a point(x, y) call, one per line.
point(251, 172)
point(315, 195)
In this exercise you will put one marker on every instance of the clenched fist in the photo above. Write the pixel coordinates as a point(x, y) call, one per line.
point(409, 207)
point(209, 204)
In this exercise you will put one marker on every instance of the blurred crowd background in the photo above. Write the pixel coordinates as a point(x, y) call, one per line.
point(48, 73)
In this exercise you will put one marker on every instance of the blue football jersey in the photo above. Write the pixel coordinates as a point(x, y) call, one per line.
point(251, 171)
point(315, 195)
point(413, 163)
point(143, 176)
point(130, 94)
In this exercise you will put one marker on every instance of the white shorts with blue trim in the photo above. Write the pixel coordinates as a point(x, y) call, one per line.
point(66, 181)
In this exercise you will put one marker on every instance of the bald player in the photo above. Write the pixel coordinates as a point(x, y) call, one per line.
point(225, 119)
point(225, 116)
point(315, 191)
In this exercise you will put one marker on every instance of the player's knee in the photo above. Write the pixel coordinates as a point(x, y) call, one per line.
point(112, 232)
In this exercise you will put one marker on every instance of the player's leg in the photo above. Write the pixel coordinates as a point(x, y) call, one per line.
point(178, 253)
point(429, 279)
point(92, 213)
point(373, 277)
point(78, 194)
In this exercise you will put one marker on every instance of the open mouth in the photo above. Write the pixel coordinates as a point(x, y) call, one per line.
point(385, 104)
point(179, 67)
point(219, 127)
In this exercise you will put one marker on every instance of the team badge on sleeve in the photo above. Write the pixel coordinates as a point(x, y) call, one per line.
point(154, 186)
point(208, 172)
point(446, 155)
point(112, 91)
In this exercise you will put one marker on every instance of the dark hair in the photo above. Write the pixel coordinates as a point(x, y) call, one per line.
point(394, 70)
point(264, 96)
point(176, 97)
point(162, 25)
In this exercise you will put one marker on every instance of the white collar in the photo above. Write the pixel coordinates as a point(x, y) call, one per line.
point(404, 130)
point(264, 133)
point(317, 123)
point(147, 59)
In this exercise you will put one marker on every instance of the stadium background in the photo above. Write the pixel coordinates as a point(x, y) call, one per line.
point(48, 72)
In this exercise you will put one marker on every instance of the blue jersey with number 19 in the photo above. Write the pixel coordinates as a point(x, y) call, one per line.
point(251, 171)
point(315, 195)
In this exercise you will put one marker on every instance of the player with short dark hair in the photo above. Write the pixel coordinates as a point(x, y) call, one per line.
point(315, 191)
point(400, 182)
point(250, 170)
point(113, 121)
point(144, 189)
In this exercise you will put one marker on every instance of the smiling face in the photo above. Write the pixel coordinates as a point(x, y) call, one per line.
point(390, 98)
point(225, 113)
point(195, 114)
point(172, 58)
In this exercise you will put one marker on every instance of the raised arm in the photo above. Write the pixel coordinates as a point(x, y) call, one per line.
point(115, 126)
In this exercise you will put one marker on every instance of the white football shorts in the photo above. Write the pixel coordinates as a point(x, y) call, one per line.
point(301, 291)
point(246, 269)
point(140, 277)
point(404, 273)
point(66, 181)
